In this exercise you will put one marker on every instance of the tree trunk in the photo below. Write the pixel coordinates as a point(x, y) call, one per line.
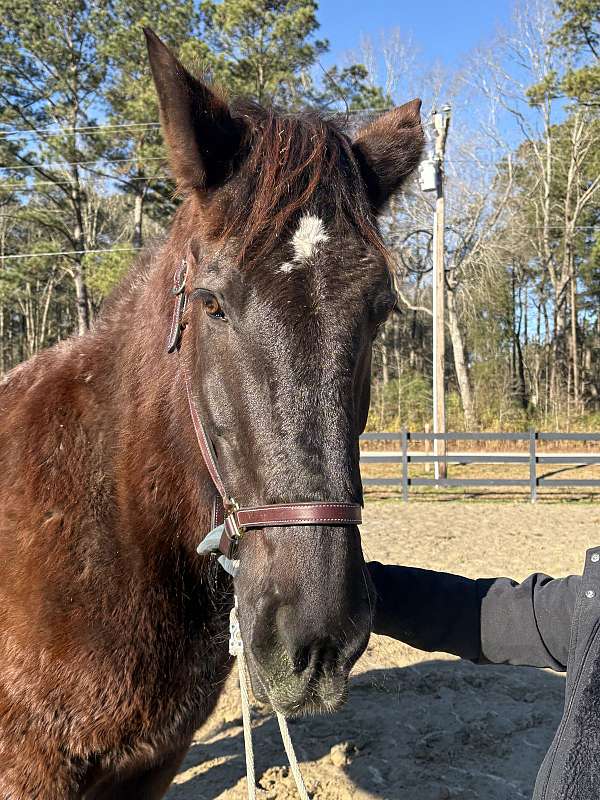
point(138, 215)
point(43, 326)
point(574, 349)
point(81, 295)
point(2, 347)
point(558, 373)
point(81, 292)
point(520, 382)
point(460, 361)
point(385, 366)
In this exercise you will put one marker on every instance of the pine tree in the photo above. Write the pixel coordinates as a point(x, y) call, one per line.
point(137, 147)
point(579, 36)
point(264, 48)
point(268, 50)
point(53, 75)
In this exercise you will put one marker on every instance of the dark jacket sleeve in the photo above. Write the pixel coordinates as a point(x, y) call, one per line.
point(490, 620)
point(527, 623)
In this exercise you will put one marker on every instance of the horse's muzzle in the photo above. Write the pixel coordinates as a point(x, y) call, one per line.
point(296, 675)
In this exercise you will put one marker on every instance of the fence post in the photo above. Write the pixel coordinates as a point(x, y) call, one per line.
point(428, 448)
point(532, 465)
point(405, 436)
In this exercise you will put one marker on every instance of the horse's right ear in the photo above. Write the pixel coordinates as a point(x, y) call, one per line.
point(202, 138)
point(389, 149)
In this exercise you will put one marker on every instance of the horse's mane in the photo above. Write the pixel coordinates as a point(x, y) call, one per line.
point(289, 162)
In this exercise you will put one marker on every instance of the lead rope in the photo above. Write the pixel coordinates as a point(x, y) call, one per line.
point(236, 648)
point(289, 749)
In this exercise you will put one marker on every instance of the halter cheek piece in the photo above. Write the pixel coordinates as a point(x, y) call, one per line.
point(229, 520)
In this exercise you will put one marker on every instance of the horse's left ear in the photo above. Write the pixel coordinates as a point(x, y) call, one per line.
point(389, 149)
point(202, 138)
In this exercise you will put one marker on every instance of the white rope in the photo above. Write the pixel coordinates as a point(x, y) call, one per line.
point(289, 749)
point(248, 748)
point(236, 648)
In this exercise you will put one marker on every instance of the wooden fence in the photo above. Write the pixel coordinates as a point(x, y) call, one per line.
point(532, 457)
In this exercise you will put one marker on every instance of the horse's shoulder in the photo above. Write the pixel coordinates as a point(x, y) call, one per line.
point(54, 377)
point(50, 417)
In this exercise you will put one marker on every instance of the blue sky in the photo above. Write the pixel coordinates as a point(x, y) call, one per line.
point(441, 30)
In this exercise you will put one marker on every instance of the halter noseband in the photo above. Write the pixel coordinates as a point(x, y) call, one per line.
point(229, 520)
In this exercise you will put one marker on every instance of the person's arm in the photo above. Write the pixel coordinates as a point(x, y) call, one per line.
point(489, 620)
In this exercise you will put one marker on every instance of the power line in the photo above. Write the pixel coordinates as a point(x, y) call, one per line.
point(18, 187)
point(403, 235)
point(71, 252)
point(69, 131)
point(63, 164)
point(89, 129)
point(26, 209)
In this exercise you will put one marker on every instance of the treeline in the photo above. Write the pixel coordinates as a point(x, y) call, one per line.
point(84, 179)
point(523, 256)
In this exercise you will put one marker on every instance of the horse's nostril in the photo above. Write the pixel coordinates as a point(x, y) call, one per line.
point(311, 652)
point(301, 660)
point(316, 658)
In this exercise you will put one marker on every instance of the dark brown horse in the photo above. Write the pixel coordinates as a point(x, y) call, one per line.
point(112, 629)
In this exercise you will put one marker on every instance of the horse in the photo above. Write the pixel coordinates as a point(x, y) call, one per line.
point(113, 629)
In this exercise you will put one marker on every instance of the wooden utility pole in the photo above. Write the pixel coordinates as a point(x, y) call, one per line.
point(441, 120)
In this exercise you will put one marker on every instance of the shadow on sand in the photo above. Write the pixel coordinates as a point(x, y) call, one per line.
point(435, 730)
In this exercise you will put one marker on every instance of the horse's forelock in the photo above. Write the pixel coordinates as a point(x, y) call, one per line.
point(288, 163)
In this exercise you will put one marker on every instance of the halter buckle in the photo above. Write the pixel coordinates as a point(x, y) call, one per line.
point(233, 531)
point(178, 292)
point(179, 278)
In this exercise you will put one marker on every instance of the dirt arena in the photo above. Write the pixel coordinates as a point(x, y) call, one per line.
point(418, 726)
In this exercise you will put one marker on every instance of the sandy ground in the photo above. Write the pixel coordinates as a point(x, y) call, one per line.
point(418, 726)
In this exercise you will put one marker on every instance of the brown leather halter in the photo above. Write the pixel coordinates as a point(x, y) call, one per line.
point(237, 520)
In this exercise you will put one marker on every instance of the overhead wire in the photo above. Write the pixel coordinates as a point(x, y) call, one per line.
point(73, 131)
point(70, 252)
point(89, 129)
point(18, 187)
point(63, 164)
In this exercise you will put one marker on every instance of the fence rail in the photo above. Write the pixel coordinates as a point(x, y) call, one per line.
point(532, 457)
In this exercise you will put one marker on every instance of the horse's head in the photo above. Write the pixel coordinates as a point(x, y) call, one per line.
point(288, 284)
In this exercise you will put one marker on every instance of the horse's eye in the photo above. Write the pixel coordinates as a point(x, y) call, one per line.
point(212, 306)
point(209, 301)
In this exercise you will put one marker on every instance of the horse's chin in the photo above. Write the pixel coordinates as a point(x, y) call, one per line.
point(289, 697)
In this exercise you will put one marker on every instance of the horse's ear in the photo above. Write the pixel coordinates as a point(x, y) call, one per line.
point(389, 149)
point(202, 137)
